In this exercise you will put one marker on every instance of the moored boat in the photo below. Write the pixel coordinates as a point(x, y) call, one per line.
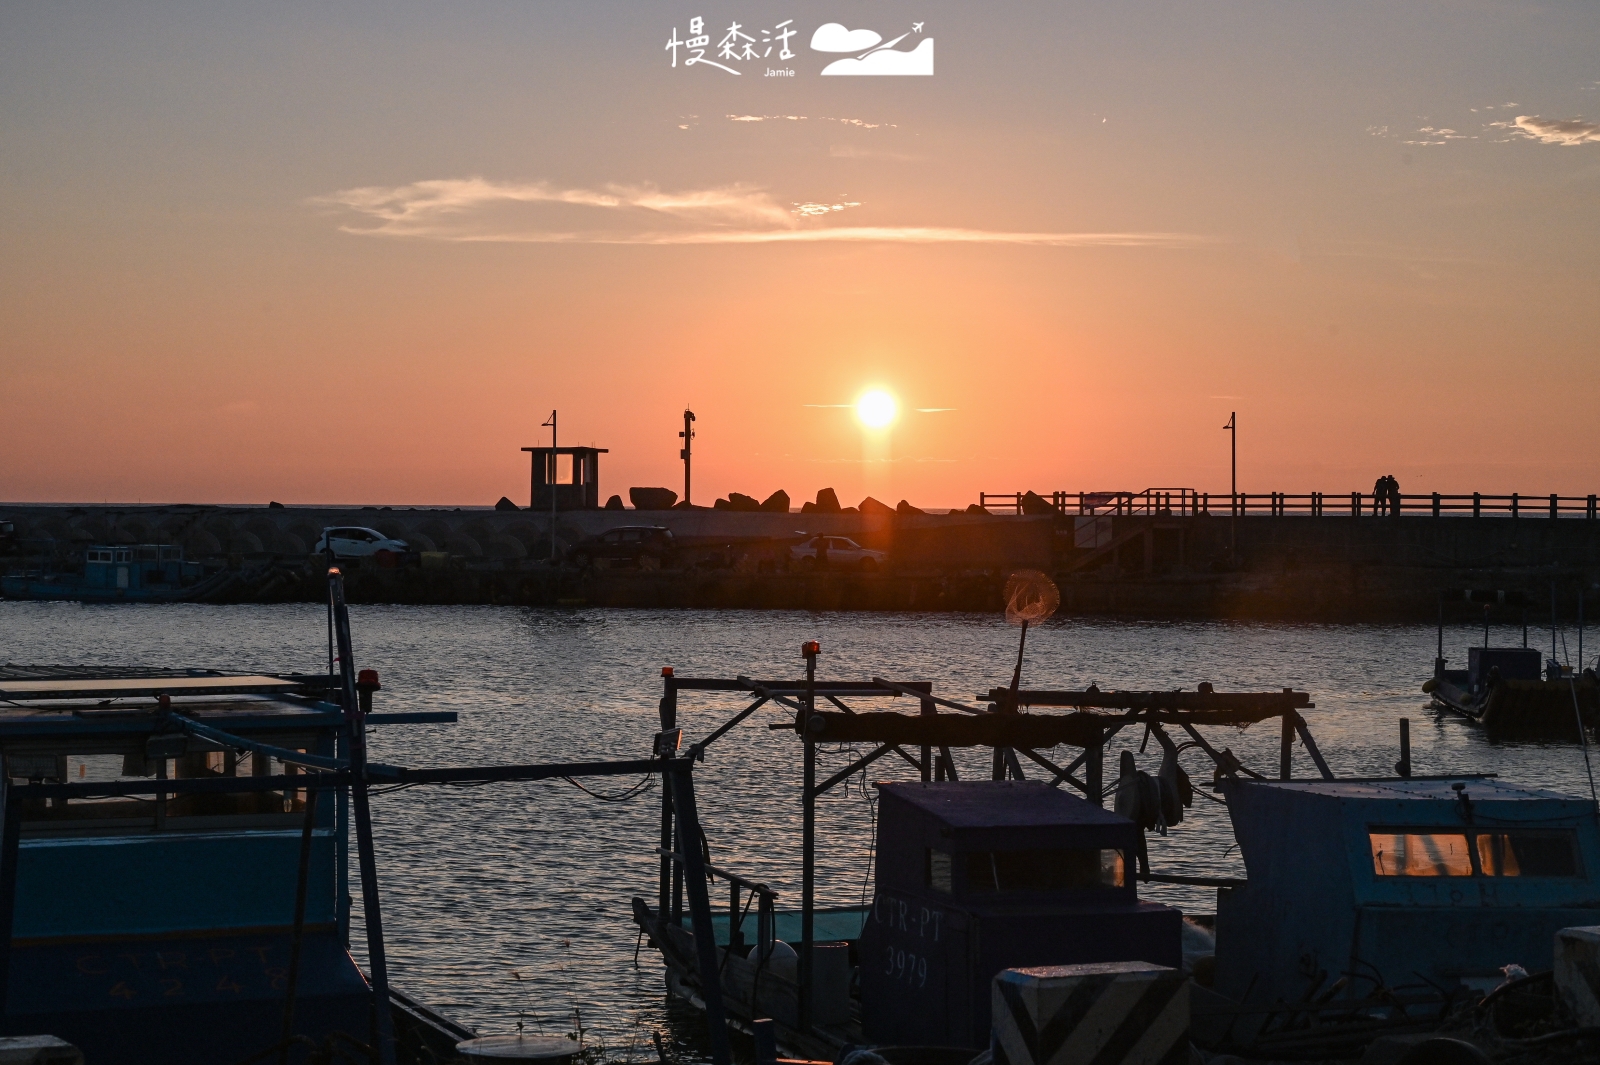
point(1371, 907)
point(209, 923)
point(130, 573)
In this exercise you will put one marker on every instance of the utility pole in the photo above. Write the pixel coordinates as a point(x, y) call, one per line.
point(1233, 490)
point(550, 482)
point(688, 446)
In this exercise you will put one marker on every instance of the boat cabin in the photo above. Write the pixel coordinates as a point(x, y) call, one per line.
point(978, 876)
point(122, 568)
point(161, 930)
point(1403, 883)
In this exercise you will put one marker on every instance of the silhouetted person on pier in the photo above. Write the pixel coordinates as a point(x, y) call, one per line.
point(1380, 495)
point(1394, 496)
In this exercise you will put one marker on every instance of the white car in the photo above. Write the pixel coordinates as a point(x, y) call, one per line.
point(350, 542)
point(840, 551)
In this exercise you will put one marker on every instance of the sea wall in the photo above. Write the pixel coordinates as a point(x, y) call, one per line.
point(915, 542)
point(1334, 568)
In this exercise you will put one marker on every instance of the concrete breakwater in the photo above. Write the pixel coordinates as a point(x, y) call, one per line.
point(1334, 568)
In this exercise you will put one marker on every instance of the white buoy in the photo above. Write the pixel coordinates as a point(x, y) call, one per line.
point(545, 1049)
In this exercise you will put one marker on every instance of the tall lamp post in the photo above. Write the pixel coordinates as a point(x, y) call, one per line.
point(550, 479)
point(1233, 489)
point(688, 446)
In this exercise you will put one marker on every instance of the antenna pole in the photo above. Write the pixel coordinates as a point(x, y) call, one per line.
point(1016, 674)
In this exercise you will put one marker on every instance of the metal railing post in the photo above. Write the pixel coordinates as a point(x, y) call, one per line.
point(356, 729)
point(669, 721)
point(678, 774)
point(808, 845)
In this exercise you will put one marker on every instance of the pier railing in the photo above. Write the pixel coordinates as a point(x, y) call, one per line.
point(1188, 503)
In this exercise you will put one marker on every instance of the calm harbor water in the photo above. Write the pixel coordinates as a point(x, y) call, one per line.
point(516, 896)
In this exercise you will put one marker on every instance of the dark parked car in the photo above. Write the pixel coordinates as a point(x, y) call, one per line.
point(644, 545)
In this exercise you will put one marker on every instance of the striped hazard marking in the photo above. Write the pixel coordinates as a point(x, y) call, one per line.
point(1138, 1017)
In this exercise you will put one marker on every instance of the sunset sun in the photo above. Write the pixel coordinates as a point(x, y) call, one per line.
point(876, 408)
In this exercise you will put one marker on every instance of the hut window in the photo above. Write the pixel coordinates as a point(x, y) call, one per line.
point(939, 871)
point(1527, 854)
point(1044, 870)
point(1420, 854)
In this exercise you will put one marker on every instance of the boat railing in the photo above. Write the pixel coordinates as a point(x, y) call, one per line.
point(1188, 503)
point(764, 898)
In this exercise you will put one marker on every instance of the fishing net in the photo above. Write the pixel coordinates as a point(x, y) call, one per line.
point(1031, 597)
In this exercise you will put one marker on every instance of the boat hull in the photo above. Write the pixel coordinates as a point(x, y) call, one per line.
point(1536, 710)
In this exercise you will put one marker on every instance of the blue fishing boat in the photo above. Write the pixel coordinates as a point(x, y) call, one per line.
point(1382, 904)
point(130, 573)
point(191, 926)
point(1372, 907)
point(175, 864)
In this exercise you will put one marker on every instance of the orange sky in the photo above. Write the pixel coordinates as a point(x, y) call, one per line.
point(319, 256)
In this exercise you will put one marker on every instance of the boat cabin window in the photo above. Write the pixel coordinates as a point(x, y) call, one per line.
point(1042, 869)
point(118, 814)
point(1420, 854)
point(1427, 852)
point(1527, 854)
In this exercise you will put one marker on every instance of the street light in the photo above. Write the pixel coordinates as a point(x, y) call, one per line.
point(550, 478)
point(1233, 490)
point(688, 446)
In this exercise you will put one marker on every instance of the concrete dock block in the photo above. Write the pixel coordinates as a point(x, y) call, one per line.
point(1577, 965)
point(1115, 1013)
point(38, 1050)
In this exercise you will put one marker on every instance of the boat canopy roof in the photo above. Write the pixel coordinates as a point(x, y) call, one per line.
point(63, 701)
point(987, 804)
point(1432, 789)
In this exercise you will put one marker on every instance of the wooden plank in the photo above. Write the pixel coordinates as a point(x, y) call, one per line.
point(128, 687)
point(1267, 704)
point(1081, 729)
point(951, 730)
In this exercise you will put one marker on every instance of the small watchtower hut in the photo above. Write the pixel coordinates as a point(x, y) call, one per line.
point(571, 474)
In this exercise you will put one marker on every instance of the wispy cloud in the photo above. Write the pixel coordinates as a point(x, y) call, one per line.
point(858, 122)
point(1435, 135)
point(1568, 132)
point(477, 209)
point(817, 210)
